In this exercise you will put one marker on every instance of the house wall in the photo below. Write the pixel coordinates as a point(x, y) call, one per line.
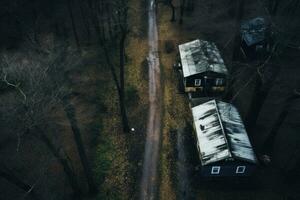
point(252, 52)
point(228, 170)
point(207, 87)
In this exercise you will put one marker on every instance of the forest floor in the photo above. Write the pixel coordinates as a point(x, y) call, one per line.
point(117, 156)
point(176, 110)
point(209, 21)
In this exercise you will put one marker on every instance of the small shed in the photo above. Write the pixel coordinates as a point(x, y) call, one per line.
point(254, 37)
point(203, 69)
point(222, 141)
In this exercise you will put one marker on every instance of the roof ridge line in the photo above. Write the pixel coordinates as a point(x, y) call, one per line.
point(223, 131)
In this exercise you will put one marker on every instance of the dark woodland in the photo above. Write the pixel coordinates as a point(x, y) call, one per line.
point(92, 104)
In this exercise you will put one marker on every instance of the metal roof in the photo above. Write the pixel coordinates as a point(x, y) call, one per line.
point(200, 56)
point(221, 133)
point(253, 31)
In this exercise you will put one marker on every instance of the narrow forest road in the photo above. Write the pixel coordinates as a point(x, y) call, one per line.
point(149, 179)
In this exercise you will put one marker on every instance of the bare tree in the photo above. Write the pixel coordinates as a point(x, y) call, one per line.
point(119, 16)
point(75, 32)
point(42, 90)
point(124, 28)
point(38, 96)
point(70, 111)
point(273, 6)
point(266, 75)
point(240, 6)
point(170, 3)
point(267, 72)
point(11, 177)
point(85, 19)
point(182, 9)
point(190, 5)
point(62, 60)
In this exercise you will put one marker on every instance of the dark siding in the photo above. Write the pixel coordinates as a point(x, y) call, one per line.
point(190, 81)
point(207, 85)
point(251, 51)
point(228, 170)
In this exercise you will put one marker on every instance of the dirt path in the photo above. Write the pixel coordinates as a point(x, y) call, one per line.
point(149, 177)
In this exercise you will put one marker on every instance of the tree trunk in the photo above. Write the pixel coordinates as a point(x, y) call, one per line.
point(35, 24)
point(73, 24)
point(274, 7)
point(95, 21)
point(122, 83)
point(39, 134)
point(70, 112)
point(12, 178)
point(100, 8)
point(260, 95)
point(120, 88)
point(63, 161)
point(256, 104)
point(292, 9)
point(190, 5)
point(173, 10)
point(182, 6)
point(240, 4)
point(239, 16)
point(110, 24)
point(85, 22)
point(240, 11)
point(119, 82)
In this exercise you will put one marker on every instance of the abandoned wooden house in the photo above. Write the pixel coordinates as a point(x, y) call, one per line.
point(203, 69)
point(255, 37)
point(222, 142)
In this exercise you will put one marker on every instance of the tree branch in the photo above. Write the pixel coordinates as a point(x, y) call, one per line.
point(16, 86)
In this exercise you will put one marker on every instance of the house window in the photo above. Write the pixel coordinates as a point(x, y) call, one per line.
point(215, 170)
point(197, 82)
point(219, 81)
point(240, 169)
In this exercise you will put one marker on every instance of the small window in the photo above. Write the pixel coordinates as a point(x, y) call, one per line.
point(240, 169)
point(215, 170)
point(219, 81)
point(197, 82)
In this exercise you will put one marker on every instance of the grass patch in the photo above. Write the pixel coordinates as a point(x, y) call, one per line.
point(103, 159)
point(169, 46)
point(131, 96)
point(144, 69)
point(118, 156)
point(176, 110)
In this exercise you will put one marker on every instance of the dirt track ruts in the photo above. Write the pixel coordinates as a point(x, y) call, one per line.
point(149, 176)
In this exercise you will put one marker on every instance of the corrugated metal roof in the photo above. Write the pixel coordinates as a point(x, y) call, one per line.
point(200, 56)
point(253, 31)
point(221, 133)
point(211, 138)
